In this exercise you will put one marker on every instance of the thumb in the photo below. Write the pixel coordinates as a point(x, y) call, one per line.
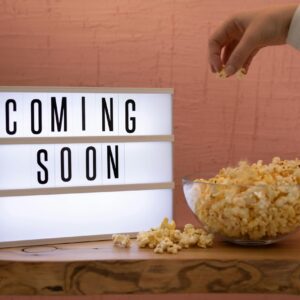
point(240, 54)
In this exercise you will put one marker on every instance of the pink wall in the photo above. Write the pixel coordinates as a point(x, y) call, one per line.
point(161, 43)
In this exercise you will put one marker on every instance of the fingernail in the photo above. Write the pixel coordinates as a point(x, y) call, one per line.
point(229, 70)
point(215, 69)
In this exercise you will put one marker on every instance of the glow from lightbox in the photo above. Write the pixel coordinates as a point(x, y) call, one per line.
point(138, 162)
point(153, 116)
point(53, 216)
point(91, 156)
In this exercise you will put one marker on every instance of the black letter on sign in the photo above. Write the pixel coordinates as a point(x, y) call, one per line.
point(83, 112)
point(43, 167)
point(107, 115)
point(39, 106)
point(62, 164)
point(112, 162)
point(63, 114)
point(132, 119)
point(87, 156)
point(14, 107)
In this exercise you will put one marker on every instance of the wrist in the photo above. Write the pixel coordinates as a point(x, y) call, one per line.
point(293, 31)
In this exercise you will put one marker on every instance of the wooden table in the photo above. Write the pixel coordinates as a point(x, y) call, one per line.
point(99, 268)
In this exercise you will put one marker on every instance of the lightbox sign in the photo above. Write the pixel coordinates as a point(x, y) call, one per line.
point(83, 163)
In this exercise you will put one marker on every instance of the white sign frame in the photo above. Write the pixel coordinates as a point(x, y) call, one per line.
point(81, 140)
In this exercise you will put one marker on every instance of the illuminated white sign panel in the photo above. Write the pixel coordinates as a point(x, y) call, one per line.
point(80, 163)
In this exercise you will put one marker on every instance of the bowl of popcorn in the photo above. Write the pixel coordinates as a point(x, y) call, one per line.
point(249, 204)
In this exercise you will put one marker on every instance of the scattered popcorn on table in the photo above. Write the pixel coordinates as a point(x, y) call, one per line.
point(174, 248)
point(168, 239)
point(205, 240)
point(192, 236)
point(163, 245)
point(121, 240)
point(252, 201)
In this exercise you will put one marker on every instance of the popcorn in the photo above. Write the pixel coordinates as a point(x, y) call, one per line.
point(252, 201)
point(173, 249)
point(240, 74)
point(163, 245)
point(192, 236)
point(205, 240)
point(222, 74)
point(168, 239)
point(175, 235)
point(121, 240)
point(189, 236)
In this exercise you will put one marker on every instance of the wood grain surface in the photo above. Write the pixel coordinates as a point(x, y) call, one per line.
point(100, 268)
point(161, 43)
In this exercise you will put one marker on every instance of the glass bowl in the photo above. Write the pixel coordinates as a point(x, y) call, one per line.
point(252, 215)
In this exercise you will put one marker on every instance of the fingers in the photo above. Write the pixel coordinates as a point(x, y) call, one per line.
point(241, 54)
point(249, 60)
point(215, 56)
point(227, 51)
point(241, 72)
point(228, 32)
point(237, 44)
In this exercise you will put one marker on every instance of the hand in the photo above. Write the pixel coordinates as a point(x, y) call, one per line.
point(236, 41)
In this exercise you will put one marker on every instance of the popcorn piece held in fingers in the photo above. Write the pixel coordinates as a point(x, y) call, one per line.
point(222, 74)
point(241, 73)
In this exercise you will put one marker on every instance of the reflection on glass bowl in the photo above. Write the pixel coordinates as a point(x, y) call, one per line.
point(245, 215)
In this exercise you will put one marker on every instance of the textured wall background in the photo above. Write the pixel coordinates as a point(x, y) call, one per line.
point(161, 43)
